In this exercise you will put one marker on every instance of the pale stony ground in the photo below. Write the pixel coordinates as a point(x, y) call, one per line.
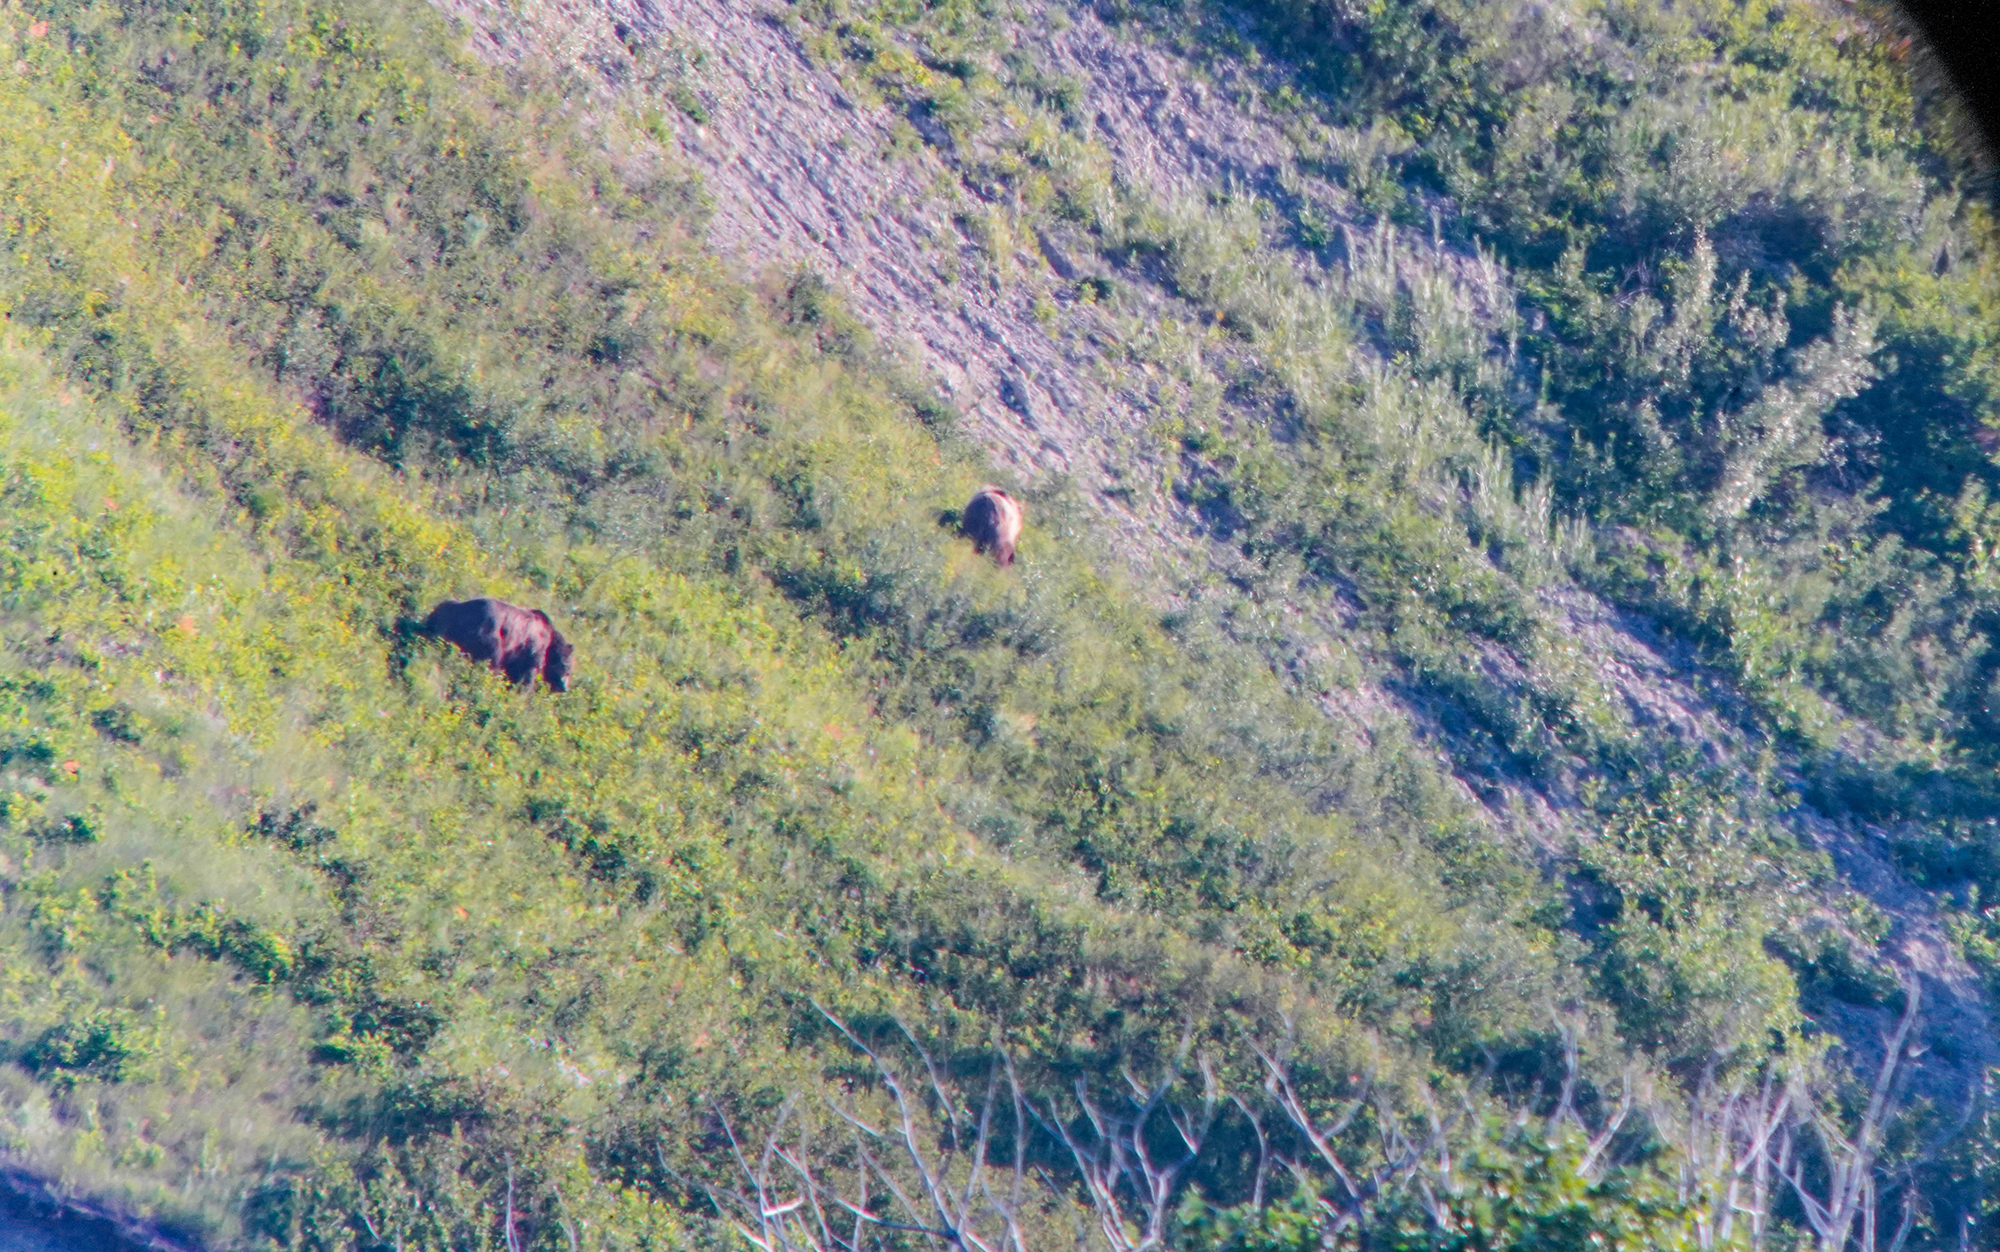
point(804, 176)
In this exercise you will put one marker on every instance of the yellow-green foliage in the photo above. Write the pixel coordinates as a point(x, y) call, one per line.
point(318, 934)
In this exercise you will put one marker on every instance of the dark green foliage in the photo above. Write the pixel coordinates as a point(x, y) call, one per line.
point(101, 1047)
point(1778, 371)
point(1520, 1193)
point(76, 828)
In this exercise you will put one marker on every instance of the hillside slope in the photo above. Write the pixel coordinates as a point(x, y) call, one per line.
point(1487, 726)
point(975, 251)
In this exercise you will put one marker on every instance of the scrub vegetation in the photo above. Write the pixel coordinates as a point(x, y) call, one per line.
point(854, 869)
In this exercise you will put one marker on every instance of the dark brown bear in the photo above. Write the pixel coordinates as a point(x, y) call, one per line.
point(992, 520)
point(515, 641)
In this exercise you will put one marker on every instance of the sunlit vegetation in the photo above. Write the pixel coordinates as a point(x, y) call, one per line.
point(1682, 306)
point(317, 936)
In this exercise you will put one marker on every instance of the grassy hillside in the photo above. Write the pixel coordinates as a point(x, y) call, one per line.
point(317, 936)
point(1676, 309)
point(269, 400)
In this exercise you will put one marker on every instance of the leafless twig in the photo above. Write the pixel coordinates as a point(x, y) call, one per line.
point(922, 1169)
point(1132, 1188)
point(1849, 1160)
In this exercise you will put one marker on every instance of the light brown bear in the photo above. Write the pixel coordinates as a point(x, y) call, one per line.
point(992, 520)
point(515, 641)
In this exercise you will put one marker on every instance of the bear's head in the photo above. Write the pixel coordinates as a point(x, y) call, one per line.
point(556, 667)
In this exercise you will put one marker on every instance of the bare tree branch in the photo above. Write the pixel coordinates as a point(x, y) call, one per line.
point(1398, 1156)
point(921, 1166)
point(1850, 1162)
